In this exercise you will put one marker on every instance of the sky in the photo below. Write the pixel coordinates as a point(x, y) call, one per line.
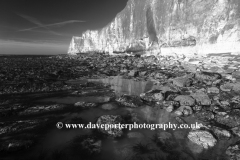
point(47, 26)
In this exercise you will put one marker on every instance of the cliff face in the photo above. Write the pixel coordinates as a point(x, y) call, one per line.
point(166, 26)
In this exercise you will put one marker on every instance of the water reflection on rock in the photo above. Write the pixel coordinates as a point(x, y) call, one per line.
point(126, 86)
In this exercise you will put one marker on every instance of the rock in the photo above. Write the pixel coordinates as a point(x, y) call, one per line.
point(180, 120)
point(225, 105)
point(221, 133)
point(170, 108)
point(236, 74)
point(213, 90)
point(110, 120)
point(182, 81)
point(19, 126)
point(236, 87)
point(236, 99)
point(229, 77)
point(203, 138)
point(91, 145)
point(230, 86)
point(185, 100)
point(135, 135)
point(15, 145)
point(236, 130)
point(129, 101)
point(230, 120)
point(184, 110)
point(85, 104)
point(197, 108)
point(217, 82)
point(168, 88)
point(227, 87)
point(85, 145)
point(201, 98)
point(123, 70)
point(207, 76)
point(109, 106)
point(190, 67)
point(152, 95)
point(41, 109)
point(171, 103)
point(143, 73)
point(233, 151)
point(204, 115)
point(133, 73)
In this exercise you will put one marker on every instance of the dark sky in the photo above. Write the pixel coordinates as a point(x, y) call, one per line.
point(47, 26)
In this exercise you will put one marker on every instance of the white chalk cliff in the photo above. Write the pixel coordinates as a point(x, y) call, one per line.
point(167, 26)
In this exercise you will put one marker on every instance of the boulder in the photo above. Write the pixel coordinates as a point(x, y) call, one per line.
point(203, 138)
point(201, 98)
point(110, 120)
point(129, 101)
point(222, 134)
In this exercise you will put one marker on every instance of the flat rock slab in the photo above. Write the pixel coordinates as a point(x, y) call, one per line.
point(201, 98)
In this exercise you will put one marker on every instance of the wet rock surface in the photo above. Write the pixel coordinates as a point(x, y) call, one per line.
point(233, 151)
point(129, 101)
point(110, 120)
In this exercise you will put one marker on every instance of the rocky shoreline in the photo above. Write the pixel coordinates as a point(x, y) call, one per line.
point(205, 89)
